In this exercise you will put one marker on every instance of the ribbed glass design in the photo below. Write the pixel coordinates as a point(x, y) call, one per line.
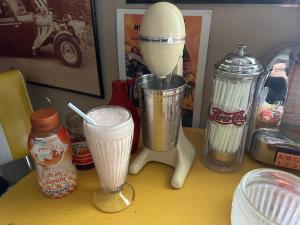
point(111, 161)
point(110, 145)
point(267, 197)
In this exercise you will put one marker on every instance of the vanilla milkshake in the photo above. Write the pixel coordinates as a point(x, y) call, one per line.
point(110, 144)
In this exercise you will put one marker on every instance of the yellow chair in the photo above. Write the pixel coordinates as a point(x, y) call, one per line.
point(15, 109)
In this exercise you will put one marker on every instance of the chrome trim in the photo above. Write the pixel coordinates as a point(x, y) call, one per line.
point(168, 40)
point(29, 162)
point(9, 21)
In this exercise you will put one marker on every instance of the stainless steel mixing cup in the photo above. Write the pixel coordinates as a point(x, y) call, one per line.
point(160, 105)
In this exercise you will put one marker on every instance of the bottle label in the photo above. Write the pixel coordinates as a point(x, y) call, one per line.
point(56, 183)
point(81, 153)
point(287, 158)
point(225, 118)
point(53, 159)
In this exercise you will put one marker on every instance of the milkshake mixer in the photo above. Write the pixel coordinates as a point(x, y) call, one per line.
point(162, 39)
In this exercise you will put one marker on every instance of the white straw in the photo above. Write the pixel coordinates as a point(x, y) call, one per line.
point(229, 96)
point(80, 113)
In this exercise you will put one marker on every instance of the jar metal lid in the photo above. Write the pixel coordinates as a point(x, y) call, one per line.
point(238, 63)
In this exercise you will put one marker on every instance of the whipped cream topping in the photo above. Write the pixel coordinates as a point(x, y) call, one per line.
point(109, 116)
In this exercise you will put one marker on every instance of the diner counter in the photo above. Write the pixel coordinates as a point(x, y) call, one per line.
point(205, 198)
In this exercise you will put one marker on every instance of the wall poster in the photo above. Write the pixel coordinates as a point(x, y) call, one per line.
point(284, 2)
point(53, 43)
point(131, 65)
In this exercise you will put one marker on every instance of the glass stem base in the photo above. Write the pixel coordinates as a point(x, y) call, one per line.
point(114, 201)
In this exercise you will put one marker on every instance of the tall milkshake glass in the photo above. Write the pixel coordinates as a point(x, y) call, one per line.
point(110, 144)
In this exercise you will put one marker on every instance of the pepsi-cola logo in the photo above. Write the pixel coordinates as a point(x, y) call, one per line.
point(226, 118)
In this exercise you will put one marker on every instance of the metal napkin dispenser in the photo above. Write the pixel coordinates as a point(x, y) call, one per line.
point(274, 148)
point(274, 134)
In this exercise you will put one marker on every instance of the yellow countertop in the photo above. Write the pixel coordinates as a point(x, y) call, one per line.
point(205, 198)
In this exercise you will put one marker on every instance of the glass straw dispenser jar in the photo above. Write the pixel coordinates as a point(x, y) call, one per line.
point(230, 107)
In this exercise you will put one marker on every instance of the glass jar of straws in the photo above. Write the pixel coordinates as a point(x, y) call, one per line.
point(230, 107)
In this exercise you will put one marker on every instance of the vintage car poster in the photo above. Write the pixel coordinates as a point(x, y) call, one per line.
point(52, 42)
point(131, 65)
point(284, 2)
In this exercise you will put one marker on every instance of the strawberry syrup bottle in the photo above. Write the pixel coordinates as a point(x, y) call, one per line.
point(120, 98)
point(82, 157)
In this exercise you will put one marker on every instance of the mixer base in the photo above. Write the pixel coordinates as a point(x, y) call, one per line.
point(180, 158)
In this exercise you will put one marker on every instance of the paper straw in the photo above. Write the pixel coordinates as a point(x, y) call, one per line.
point(222, 103)
point(234, 106)
point(230, 107)
point(230, 129)
point(237, 134)
point(80, 113)
point(229, 96)
point(219, 103)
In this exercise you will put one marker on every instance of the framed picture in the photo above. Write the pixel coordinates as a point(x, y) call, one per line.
point(131, 65)
point(53, 42)
point(292, 2)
